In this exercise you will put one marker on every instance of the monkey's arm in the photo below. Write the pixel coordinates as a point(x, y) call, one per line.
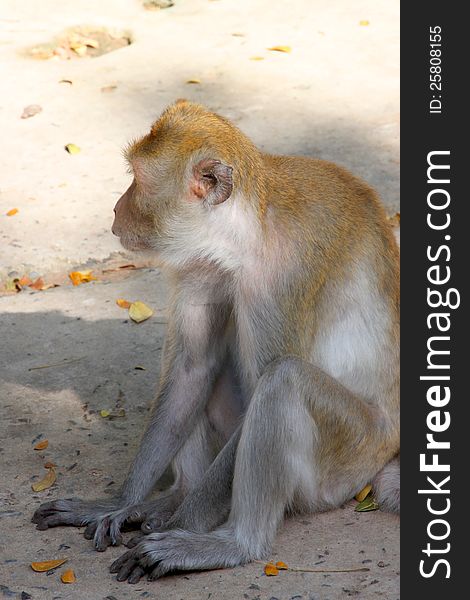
point(194, 353)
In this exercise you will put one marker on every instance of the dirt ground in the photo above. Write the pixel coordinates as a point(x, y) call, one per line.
point(69, 352)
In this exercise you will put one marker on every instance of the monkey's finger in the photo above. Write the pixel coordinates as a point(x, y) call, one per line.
point(115, 532)
point(136, 575)
point(119, 562)
point(57, 519)
point(152, 525)
point(158, 572)
point(90, 530)
point(101, 538)
point(126, 569)
point(136, 539)
point(47, 508)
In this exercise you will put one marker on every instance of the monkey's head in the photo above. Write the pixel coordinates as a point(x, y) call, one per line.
point(187, 183)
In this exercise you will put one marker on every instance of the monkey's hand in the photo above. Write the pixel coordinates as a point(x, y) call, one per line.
point(176, 550)
point(103, 518)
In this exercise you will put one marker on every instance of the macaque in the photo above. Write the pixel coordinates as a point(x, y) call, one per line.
point(279, 384)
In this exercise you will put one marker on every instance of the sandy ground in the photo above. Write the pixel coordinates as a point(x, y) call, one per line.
point(334, 96)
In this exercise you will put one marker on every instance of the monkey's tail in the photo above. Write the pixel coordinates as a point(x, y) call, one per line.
point(386, 486)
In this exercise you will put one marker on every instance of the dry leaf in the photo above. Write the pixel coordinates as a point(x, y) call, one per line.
point(30, 111)
point(69, 81)
point(38, 284)
point(364, 23)
point(123, 303)
point(11, 285)
point(271, 570)
point(72, 148)
point(50, 465)
point(68, 576)
point(281, 566)
point(157, 4)
point(46, 482)
point(12, 212)
point(48, 286)
point(25, 280)
point(104, 413)
point(363, 493)
point(193, 81)
point(140, 368)
point(138, 312)
point(256, 57)
point(79, 277)
point(108, 88)
point(281, 49)
point(47, 565)
point(42, 445)
point(369, 503)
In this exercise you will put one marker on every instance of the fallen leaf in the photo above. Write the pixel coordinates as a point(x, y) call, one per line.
point(140, 368)
point(48, 286)
point(271, 570)
point(104, 413)
point(238, 34)
point(157, 4)
point(11, 285)
point(256, 57)
point(286, 49)
point(68, 576)
point(108, 88)
point(363, 493)
point(42, 445)
point(38, 284)
point(138, 312)
point(46, 482)
point(281, 566)
point(50, 465)
point(47, 565)
point(369, 503)
point(79, 49)
point(364, 23)
point(72, 148)
point(193, 81)
point(30, 111)
point(78, 277)
point(123, 303)
point(12, 212)
point(69, 81)
point(25, 280)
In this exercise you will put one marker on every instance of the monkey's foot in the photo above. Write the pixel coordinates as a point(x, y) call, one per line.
point(103, 519)
point(176, 550)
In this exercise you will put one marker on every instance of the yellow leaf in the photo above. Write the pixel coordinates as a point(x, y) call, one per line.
point(79, 277)
point(363, 493)
point(271, 570)
point(104, 413)
point(123, 303)
point(12, 212)
point(138, 312)
point(68, 576)
point(280, 49)
point(46, 482)
point(37, 284)
point(50, 465)
point(41, 445)
point(256, 57)
point(47, 565)
point(72, 148)
point(193, 81)
point(281, 566)
point(364, 23)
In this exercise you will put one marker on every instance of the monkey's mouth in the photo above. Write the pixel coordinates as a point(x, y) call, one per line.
point(133, 242)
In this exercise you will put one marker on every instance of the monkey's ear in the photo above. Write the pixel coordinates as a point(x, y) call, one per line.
point(211, 181)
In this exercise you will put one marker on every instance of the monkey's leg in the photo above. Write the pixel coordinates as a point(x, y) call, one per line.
point(306, 442)
point(204, 466)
